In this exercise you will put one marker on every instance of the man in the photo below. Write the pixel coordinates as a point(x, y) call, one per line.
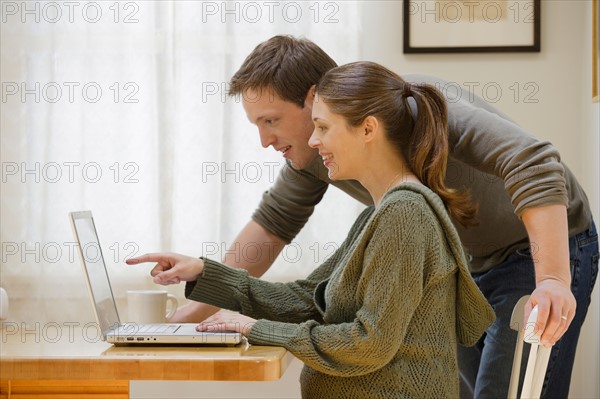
point(535, 234)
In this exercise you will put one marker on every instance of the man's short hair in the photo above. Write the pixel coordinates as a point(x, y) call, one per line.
point(288, 65)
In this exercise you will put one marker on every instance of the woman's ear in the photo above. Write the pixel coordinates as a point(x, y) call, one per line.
point(370, 128)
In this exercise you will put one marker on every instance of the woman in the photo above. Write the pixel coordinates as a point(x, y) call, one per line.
point(382, 316)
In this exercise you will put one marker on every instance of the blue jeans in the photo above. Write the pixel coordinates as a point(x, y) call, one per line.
point(485, 368)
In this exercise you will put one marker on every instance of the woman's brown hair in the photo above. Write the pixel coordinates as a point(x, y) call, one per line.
point(362, 89)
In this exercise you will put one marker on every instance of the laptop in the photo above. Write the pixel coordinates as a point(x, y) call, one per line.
point(105, 308)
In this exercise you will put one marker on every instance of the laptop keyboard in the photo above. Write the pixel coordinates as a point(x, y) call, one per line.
point(158, 328)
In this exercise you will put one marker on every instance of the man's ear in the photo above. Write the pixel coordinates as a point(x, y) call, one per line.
point(310, 96)
point(369, 128)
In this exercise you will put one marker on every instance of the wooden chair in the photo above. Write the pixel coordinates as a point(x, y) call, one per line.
point(539, 355)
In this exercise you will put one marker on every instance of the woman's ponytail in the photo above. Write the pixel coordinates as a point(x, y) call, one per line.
point(428, 148)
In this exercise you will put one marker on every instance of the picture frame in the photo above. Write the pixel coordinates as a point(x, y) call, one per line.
point(464, 26)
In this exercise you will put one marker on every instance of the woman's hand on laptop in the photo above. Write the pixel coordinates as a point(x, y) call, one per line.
point(227, 321)
point(171, 268)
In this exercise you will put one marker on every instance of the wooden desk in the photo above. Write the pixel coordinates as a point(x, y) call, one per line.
point(43, 365)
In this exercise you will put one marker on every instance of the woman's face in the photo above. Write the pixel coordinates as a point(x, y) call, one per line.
point(340, 145)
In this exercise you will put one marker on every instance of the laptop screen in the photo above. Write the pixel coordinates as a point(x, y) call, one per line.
point(95, 270)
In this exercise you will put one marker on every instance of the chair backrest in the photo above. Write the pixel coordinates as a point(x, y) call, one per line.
point(537, 362)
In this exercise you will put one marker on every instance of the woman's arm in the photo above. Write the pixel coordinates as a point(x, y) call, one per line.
point(389, 290)
point(254, 249)
point(390, 255)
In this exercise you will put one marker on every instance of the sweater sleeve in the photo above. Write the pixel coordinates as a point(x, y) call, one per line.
point(234, 289)
point(531, 169)
point(486, 139)
point(390, 288)
point(287, 205)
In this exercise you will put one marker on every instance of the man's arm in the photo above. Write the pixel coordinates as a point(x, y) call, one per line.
point(535, 180)
point(548, 235)
point(254, 249)
point(281, 214)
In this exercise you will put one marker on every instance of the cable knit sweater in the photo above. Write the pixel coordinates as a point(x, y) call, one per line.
point(381, 318)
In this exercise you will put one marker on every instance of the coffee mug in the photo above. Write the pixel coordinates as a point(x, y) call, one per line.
point(3, 304)
point(150, 306)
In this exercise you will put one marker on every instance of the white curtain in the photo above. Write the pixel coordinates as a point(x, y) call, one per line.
point(120, 108)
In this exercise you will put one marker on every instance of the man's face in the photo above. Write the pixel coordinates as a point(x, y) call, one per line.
point(281, 124)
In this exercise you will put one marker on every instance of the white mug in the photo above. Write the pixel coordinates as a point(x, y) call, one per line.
point(3, 304)
point(150, 306)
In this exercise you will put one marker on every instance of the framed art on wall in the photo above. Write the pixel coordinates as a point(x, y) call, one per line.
point(466, 26)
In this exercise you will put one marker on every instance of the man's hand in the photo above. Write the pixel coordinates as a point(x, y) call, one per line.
point(227, 321)
point(171, 268)
point(556, 309)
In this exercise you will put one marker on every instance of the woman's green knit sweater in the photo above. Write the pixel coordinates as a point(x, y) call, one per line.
point(381, 318)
